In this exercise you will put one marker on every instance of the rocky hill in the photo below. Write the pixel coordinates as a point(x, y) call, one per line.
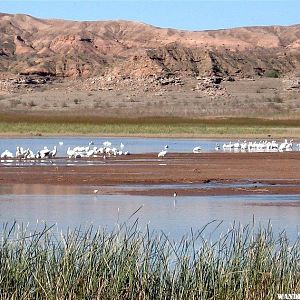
point(125, 49)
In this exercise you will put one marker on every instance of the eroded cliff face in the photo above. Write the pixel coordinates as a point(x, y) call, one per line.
point(69, 49)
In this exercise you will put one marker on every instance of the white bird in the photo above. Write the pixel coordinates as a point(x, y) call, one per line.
point(121, 145)
point(19, 152)
point(61, 143)
point(100, 150)
point(228, 146)
point(107, 150)
point(197, 149)
point(95, 191)
point(237, 145)
point(91, 152)
point(166, 147)
point(175, 195)
point(244, 145)
point(107, 144)
point(114, 151)
point(53, 152)
point(45, 152)
point(28, 154)
point(70, 152)
point(162, 153)
point(7, 154)
point(217, 148)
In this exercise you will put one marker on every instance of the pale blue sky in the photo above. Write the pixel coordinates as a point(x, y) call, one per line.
point(184, 14)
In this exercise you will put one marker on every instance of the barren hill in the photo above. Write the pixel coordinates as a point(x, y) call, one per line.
point(123, 68)
point(122, 48)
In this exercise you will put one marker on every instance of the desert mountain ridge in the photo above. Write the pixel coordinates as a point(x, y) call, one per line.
point(73, 49)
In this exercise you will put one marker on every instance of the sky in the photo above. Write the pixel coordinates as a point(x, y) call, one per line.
point(184, 14)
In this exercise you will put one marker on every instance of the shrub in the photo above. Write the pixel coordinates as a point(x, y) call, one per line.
point(272, 74)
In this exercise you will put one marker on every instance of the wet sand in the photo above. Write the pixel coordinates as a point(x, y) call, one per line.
point(268, 173)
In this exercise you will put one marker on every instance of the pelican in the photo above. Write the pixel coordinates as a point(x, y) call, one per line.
point(28, 154)
point(45, 152)
point(91, 152)
point(162, 153)
point(228, 146)
point(237, 145)
point(53, 152)
point(70, 152)
point(100, 150)
point(175, 195)
point(197, 149)
point(7, 154)
point(244, 145)
point(61, 143)
point(107, 144)
point(121, 145)
point(19, 152)
point(38, 155)
point(217, 148)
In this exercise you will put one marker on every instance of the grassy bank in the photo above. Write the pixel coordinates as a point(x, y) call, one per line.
point(128, 264)
point(92, 125)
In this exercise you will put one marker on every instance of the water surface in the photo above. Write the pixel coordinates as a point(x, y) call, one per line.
point(133, 145)
point(175, 217)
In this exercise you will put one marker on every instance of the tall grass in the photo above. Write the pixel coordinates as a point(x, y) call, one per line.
point(128, 264)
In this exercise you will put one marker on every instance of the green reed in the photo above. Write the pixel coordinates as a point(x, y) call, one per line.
point(125, 263)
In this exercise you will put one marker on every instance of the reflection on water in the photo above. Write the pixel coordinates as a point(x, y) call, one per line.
point(43, 189)
point(175, 217)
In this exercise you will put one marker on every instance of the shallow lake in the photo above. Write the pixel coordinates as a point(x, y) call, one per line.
point(174, 217)
point(133, 145)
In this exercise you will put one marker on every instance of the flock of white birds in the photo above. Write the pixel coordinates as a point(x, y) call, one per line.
point(108, 150)
point(261, 146)
point(28, 154)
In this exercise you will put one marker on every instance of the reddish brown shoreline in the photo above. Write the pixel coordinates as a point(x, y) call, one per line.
point(281, 171)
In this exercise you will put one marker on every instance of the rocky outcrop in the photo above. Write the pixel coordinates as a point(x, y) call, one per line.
point(123, 49)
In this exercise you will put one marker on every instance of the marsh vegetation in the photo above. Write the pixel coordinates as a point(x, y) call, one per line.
point(127, 263)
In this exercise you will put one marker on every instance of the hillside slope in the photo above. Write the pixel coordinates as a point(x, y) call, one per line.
point(122, 48)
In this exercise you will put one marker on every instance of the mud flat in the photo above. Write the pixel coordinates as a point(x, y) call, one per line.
point(187, 174)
